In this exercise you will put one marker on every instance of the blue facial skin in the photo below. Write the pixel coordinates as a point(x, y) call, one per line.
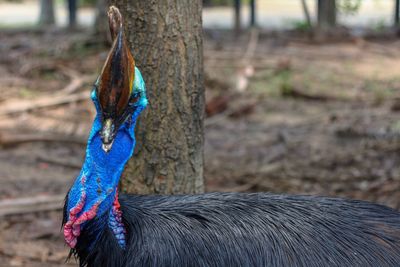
point(102, 170)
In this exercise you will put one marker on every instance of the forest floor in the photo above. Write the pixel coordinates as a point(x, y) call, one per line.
point(284, 115)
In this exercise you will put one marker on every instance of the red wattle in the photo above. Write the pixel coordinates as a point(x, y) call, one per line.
point(72, 227)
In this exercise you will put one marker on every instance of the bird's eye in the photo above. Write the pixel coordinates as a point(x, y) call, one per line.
point(134, 99)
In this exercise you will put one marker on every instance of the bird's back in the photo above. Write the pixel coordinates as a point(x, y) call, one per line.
point(231, 229)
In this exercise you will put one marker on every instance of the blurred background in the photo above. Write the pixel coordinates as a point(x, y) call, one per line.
point(302, 97)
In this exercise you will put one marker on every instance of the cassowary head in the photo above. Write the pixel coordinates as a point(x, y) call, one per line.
point(117, 97)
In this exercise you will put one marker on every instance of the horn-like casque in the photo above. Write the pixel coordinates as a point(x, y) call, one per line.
point(114, 85)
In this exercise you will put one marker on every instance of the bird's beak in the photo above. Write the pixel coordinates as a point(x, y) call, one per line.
point(114, 86)
point(107, 135)
point(106, 147)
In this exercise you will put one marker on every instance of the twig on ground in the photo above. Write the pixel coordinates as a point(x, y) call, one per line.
point(30, 204)
point(296, 93)
point(72, 165)
point(13, 140)
point(247, 70)
point(76, 81)
point(18, 106)
point(233, 113)
point(63, 96)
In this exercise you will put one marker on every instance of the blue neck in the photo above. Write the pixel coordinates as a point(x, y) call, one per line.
point(94, 190)
point(101, 171)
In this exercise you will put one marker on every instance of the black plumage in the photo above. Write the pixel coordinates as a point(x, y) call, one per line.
point(216, 229)
point(233, 229)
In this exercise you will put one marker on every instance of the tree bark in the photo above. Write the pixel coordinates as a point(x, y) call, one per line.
point(72, 8)
point(397, 13)
point(47, 13)
point(101, 24)
point(166, 40)
point(252, 13)
point(326, 14)
point(306, 13)
point(238, 21)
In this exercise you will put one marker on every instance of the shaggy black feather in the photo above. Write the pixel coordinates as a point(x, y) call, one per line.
point(232, 229)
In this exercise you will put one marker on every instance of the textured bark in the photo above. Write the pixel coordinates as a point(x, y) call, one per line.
point(101, 23)
point(47, 12)
point(326, 14)
point(166, 41)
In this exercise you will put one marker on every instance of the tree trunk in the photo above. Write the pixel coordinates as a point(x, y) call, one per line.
point(47, 13)
point(166, 40)
point(397, 13)
point(72, 7)
point(252, 13)
point(326, 14)
point(237, 7)
point(306, 13)
point(101, 24)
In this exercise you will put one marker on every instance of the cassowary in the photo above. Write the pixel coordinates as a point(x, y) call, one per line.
point(216, 229)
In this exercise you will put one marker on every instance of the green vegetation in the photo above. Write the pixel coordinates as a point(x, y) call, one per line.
point(348, 7)
point(26, 92)
point(285, 86)
point(396, 127)
point(379, 25)
point(380, 90)
point(87, 2)
point(299, 25)
point(273, 83)
point(16, 26)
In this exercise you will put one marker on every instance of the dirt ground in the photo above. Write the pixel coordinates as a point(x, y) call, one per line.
point(285, 115)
